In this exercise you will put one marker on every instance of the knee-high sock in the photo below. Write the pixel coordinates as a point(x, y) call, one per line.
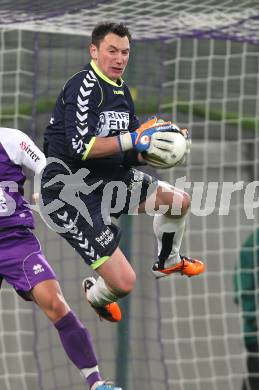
point(169, 234)
point(78, 344)
point(100, 295)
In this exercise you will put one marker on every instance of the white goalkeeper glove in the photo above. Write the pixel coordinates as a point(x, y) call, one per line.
point(167, 149)
point(140, 139)
point(162, 146)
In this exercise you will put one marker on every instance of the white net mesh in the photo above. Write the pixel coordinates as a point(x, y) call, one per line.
point(214, 91)
point(183, 334)
point(146, 19)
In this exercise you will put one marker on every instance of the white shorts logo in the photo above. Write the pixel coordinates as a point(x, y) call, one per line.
point(37, 269)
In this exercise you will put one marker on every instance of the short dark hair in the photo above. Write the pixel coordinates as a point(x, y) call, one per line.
point(104, 28)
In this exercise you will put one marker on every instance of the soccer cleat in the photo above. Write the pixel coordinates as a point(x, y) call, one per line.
point(110, 312)
point(187, 266)
point(106, 386)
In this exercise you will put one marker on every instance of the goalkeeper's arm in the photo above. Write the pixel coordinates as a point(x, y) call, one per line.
point(138, 140)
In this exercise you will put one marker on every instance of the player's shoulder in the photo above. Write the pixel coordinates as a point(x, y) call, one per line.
point(128, 96)
point(127, 91)
point(9, 135)
point(14, 141)
point(126, 87)
point(82, 85)
point(85, 77)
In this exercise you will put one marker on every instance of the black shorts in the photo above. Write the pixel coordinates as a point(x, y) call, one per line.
point(82, 211)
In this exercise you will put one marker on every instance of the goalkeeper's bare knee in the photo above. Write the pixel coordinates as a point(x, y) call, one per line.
point(177, 200)
point(124, 285)
point(118, 274)
point(186, 203)
point(103, 293)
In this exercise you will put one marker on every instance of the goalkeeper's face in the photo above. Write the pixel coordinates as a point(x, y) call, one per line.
point(112, 55)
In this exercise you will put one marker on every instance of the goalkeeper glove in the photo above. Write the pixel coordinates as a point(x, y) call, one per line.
point(188, 140)
point(161, 145)
point(166, 149)
point(140, 139)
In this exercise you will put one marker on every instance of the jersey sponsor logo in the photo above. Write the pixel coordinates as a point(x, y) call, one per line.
point(26, 148)
point(112, 122)
point(37, 269)
point(118, 92)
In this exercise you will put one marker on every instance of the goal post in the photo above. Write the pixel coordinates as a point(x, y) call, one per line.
point(198, 63)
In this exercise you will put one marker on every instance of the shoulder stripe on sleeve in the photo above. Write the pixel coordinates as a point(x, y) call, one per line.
point(83, 101)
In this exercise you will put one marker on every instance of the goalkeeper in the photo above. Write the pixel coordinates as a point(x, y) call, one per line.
point(94, 126)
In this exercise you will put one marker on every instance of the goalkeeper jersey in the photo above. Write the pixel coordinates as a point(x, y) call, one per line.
point(16, 150)
point(89, 105)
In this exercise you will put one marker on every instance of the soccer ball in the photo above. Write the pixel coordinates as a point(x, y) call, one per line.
point(168, 159)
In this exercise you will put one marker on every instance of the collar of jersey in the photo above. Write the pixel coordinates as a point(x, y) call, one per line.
point(105, 78)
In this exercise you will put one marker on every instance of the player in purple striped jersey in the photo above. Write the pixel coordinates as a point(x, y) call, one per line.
point(22, 263)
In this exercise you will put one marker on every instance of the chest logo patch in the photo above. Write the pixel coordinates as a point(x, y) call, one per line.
point(112, 123)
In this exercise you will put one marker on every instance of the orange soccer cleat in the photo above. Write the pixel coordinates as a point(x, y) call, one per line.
point(110, 312)
point(187, 266)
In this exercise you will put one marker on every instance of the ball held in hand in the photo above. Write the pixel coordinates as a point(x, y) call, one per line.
point(166, 149)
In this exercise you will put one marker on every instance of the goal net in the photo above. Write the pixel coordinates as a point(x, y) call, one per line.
point(196, 62)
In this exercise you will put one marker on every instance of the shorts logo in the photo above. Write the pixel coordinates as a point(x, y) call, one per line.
point(37, 269)
point(105, 237)
point(116, 92)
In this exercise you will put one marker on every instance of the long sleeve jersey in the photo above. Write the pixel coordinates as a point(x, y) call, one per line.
point(89, 105)
point(16, 150)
